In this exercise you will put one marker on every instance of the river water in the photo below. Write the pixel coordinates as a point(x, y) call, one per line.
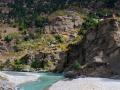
point(45, 80)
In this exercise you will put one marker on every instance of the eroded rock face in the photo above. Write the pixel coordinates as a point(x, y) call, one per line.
point(61, 24)
point(99, 52)
point(67, 24)
point(103, 43)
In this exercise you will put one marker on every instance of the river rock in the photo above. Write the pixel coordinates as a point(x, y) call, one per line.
point(70, 74)
point(6, 85)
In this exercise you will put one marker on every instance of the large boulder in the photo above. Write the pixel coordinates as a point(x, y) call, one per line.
point(70, 74)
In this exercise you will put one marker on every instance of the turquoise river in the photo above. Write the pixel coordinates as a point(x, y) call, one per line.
point(45, 80)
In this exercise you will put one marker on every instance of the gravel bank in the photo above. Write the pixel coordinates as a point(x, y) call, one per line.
point(19, 77)
point(87, 84)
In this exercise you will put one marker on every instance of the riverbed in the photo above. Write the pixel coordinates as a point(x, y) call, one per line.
point(31, 81)
point(41, 81)
point(45, 80)
point(87, 83)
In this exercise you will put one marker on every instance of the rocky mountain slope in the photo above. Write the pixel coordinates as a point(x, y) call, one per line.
point(60, 35)
point(25, 49)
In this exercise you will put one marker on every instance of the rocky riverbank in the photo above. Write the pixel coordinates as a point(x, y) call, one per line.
point(6, 85)
point(9, 80)
point(19, 77)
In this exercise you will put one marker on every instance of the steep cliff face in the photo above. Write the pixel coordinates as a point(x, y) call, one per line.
point(102, 45)
point(102, 42)
point(99, 52)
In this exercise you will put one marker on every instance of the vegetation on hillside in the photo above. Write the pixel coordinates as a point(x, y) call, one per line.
point(29, 18)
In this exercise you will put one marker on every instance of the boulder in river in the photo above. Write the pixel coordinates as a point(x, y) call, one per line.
point(70, 74)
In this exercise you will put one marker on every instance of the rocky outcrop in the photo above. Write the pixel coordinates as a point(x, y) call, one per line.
point(102, 44)
point(67, 24)
point(70, 74)
point(45, 61)
point(99, 51)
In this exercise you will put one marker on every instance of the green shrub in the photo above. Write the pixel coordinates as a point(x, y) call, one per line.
point(48, 65)
point(22, 25)
point(89, 23)
point(62, 47)
point(1, 66)
point(35, 64)
point(40, 21)
point(76, 65)
point(17, 62)
point(18, 67)
point(59, 38)
point(8, 38)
